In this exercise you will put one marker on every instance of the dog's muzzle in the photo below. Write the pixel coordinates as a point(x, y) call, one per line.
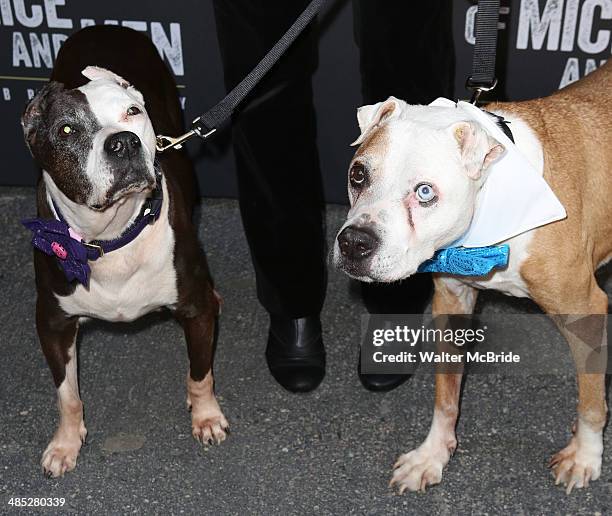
point(123, 145)
point(126, 161)
point(357, 244)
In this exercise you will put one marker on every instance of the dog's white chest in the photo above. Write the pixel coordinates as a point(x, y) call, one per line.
point(130, 281)
point(509, 280)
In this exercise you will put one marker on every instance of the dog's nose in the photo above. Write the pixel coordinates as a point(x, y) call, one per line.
point(356, 243)
point(122, 145)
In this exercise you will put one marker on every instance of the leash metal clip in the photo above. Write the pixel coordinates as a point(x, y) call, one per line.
point(163, 142)
point(478, 88)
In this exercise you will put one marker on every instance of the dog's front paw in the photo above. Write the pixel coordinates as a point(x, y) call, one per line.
point(61, 454)
point(211, 428)
point(576, 464)
point(416, 470)
point(208, 424)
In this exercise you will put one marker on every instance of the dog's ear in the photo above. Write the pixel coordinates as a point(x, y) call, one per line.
point(96, 73)
point(33, 115)
point(370, 117)
point(478, 149)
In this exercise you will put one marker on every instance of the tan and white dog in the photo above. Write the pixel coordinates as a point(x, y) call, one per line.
point(413, 187)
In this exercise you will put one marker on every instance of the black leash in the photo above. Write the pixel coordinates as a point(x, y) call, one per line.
point(485, 49)
point(206, 124)
point(483, 62)
point(481, 79)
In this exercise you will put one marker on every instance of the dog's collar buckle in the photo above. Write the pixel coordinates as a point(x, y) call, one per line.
point(96, 247)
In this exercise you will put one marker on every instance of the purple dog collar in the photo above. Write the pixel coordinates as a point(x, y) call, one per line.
point(56, 238)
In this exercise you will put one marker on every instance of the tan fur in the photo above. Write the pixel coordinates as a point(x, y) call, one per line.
point(574, 126)
point(385, 111)
point(459, 300)
point(375, 143)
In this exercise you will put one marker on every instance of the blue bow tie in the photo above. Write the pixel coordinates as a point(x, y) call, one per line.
point(467, 261)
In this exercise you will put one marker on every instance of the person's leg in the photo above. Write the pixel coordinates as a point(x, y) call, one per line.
point(280, 187)
point(279, 180)
point(406, 50)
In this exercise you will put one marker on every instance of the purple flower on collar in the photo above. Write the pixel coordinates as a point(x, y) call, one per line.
point(53, 237)
point(56, 238)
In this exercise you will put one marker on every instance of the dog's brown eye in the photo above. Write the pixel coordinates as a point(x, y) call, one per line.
point(357, 176)
point(66, 130)
point(133, 110)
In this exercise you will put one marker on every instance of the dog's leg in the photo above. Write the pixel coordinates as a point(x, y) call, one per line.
point(417, 469)
point(208, 422)
point(421, 467)
point(57, 334)
point(580, 461)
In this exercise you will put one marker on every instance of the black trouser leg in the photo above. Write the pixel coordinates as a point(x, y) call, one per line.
point(279, 180)
point(406, 51)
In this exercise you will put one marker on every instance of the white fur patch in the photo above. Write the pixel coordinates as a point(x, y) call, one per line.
point(509, 280)
point(132, 280)
point(61, 454)
point(580, 461)
point(421, 467)
point(109, 102)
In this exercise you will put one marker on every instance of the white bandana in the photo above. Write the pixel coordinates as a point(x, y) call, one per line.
point(514, 197)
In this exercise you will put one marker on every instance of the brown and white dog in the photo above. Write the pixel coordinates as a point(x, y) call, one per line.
point(413, 187)
point(95, 142)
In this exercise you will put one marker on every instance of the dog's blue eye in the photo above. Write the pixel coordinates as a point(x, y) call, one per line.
point(425, 193)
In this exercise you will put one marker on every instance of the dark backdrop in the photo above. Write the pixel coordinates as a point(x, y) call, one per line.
point(545, 44)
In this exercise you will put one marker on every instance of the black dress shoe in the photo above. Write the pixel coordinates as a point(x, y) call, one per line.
point(295, 352)
point(380, 382)
point(409, 296)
